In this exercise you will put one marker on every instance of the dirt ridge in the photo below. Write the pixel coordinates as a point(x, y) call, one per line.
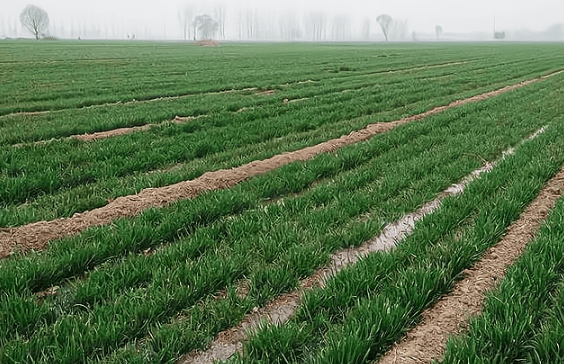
point(87, 137)
point(122, 131)
point(281, 309)
point(449, 315)
point(161, 98)
point(37, 235)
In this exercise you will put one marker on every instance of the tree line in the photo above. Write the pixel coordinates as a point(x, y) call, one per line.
point(205, 26)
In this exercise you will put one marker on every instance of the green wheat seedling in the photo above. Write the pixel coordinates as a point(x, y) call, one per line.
point(521, 319)
point(233, 270)
point(326, 319)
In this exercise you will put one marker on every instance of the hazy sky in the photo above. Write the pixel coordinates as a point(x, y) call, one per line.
point(160, 19)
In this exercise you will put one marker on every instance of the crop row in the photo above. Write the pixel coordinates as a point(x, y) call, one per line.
point(87, 174)
point(366, 308)
point(102, 73)
point(135, 74)
point(523, 319)
point(272, 245)
point(109, 117)
point(469, 77)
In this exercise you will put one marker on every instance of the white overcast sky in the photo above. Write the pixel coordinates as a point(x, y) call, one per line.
point(159, 18)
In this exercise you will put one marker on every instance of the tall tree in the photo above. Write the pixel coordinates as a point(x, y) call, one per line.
point(315, 22)
point(386, 23)
point(340, 27)
point(35, 20)
point(438, 31)
point(185, 16)
point(250, 23)
point(220, 16)
point(289, 26)
point(206, 25)
point(366, 29)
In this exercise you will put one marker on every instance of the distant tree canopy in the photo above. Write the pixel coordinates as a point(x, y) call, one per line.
point(35, 20)
point(206, 25)
point(392, 28)
point(385, 22)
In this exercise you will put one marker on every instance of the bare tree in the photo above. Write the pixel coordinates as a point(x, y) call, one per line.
point(399, 29)
point(185, 17)
point(366, 29)
point(386, 23)
point(251, 23)
point(220, 16)
point(315, 22)
point(438, 31)
point(206, 25)
point(35, 20)
point(340, 27)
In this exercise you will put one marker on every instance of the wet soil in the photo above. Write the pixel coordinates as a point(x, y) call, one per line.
point(280, 310)
point(450, 314)
point(36, 235)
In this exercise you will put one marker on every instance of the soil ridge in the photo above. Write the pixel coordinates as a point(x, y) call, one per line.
point(37, 235)
point(449, 315)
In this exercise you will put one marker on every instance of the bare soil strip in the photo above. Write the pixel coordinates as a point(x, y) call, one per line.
point(449, 315)
point(267, 92)
point(114, 132)
point(163, 98)
point(280, 310)
point(37, 235)
point(122, 131)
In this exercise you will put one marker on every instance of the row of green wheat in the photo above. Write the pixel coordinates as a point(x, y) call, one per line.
point(111, 296)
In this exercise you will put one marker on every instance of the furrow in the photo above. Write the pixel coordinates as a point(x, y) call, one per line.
point(449, 315)
point(37, 235)
point(280, 310)
point(175, 97)
point(115, 132)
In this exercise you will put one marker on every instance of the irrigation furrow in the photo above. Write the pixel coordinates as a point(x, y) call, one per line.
point(427, 341)
point(280, 310)
point(37, 235)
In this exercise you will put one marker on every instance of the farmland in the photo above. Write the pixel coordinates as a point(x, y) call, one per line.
point(153, 195)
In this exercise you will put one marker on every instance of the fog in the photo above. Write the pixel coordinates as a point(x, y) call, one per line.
point(306, 20)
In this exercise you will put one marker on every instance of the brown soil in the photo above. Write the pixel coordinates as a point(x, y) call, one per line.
point(37, 235)
point(36, 113)
point(266, 93)
point(449, 315)
point(208, 43)
point(123, 131)
point(280, 310)
point(230, 341)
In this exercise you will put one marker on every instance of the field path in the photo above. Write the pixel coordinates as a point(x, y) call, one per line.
point(448, 316)
point(37, 235)
point(280, 310)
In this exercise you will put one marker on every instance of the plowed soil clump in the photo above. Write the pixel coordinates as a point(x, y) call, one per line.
point(208, 43)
